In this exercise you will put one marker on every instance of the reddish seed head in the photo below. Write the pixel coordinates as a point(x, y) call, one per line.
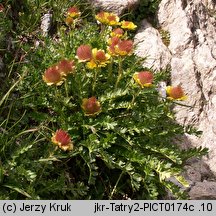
point(144, 78)
point(66, 66)
point(111, 18)
point(111, 50)
point(73, 12)
point(63, 140)
point(1, 8)
point(101, 15)
point(62, 137)
point(114, 41)
point(118, 31)
point(52, 76)
point(100, 56)
point(91, 106)
point(84, 53)
point(176, 92)
point(125, 45)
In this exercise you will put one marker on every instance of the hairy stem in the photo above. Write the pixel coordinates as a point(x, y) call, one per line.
point(116, 184)
point(120, 71)
point(95, 79)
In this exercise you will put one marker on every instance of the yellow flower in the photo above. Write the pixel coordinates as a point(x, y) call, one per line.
point(91, 106)
point(101, 17)
point(112, 44)
point(143, 78)
point(119, 47)
point(118, 32)
point(124, 47)
point(175, 93)
point(52, 76)
point(99, 59)
point(113, 41)
point(128, 25)
point(63, 140)
point(112, 19)
point(73, 12)
point(69, 20)
point(107, 18)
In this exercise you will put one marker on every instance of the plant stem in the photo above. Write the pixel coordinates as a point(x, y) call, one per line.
point(110, 68)
point(56, 92)
point(103, 31)
point(5, 97)
point(57, 101)
point(66, 88)
point(134, 97)
point(119, 72)
point(95, 79)
point(116, 184)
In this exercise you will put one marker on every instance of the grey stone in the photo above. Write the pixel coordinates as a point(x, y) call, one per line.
point(191, 55)
point(150, 45)
point(192, 31)
point(201, 167)
point(203, 191)
point(46, 22)
point(193, 174)
point(115, 6)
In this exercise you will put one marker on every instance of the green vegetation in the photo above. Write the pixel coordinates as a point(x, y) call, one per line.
point(145, 10)
point(121, 143)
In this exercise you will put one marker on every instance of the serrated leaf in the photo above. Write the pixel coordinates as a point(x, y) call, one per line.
point(182, 180)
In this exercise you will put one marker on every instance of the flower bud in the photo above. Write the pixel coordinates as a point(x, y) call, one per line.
point(63, 140)
point(91, 106)
point(175, 93)
point(143, 78)
point(84, 53)
point(52, 76)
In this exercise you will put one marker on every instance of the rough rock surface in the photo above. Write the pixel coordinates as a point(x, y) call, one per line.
point(116, 6)
point(192, 57)
point(150, 45)
point(201, 181)
point(203, 191)
point(192, 29)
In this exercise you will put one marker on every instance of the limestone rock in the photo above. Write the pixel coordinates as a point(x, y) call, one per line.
point(201, 167)
point(46, 22)
point(192, 29)
point(203, 191)
point(149, 44)
point(193, 174)
point(116, 6)
point(192, 56)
